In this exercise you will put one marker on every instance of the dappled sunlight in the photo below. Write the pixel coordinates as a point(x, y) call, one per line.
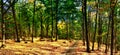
point(74, 47)
point(59, 27)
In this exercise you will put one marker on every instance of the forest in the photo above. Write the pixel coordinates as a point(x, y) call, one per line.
point(59, 27)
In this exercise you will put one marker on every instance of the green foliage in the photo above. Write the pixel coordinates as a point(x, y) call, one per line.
point(69, 13)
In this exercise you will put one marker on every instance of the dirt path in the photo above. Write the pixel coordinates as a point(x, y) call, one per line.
point(71, 49)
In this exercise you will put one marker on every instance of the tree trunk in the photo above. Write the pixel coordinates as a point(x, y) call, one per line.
point(15, 22)
point(47, 28)
point(86, 30)
point(112, 31)
point(115, 41)
point(99, 32)
point(112, 6)
point(2, 23)
point(95, 28)
point(99, 39)
point(89, 25)
point(52, 33)
point(106, 47)
point(41, 27)
point(83, 26)
point(33, 22)
point(67, 28)
point(57, 1)
point(19, 26)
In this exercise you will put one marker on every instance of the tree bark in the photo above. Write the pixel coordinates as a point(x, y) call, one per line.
point(112, 6)
point(99, 32)
point(95, 27)
point(47, 28)
point(52, 32)
point(112, 32)
point(41, 26)
point(15, 22)
point(106, 47)
point(33, 22)
point(2, 23)
point(83, 25)
point(86, 30)
point(57, 1)
point(67, 27)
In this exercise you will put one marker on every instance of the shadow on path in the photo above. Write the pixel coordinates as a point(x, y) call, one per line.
point(70, 49)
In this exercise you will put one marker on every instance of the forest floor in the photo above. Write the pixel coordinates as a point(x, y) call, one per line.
point(60, 47)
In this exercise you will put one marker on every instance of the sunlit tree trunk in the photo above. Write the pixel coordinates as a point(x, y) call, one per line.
point(107, 39)
point(95, 26)
point(99, 39)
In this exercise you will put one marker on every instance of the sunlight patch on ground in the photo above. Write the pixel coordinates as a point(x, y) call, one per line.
point(59, 47)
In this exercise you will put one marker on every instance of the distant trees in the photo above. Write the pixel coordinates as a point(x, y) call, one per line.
point(61, 19)
point(3, 16)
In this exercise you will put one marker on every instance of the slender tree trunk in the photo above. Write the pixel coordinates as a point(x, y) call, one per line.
point(115, 41)
point(99, 32)
point(83, 26)
point(15, 22)
point(33, 22)
point(2, 23)
point(29, 30)
point(19, 26)
point(112, 32)
point(52, 33)
point(112, 6)
point(106, 47)
point(35, 30)
point(47, 28)
point(72, 28)
point(83, 33)
point(99, 27)
point(6, 34)
point(57, 1)
point(89, 25)
point(86, 30)
point(95, 28)
point(41, 27)
point(67, 28)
